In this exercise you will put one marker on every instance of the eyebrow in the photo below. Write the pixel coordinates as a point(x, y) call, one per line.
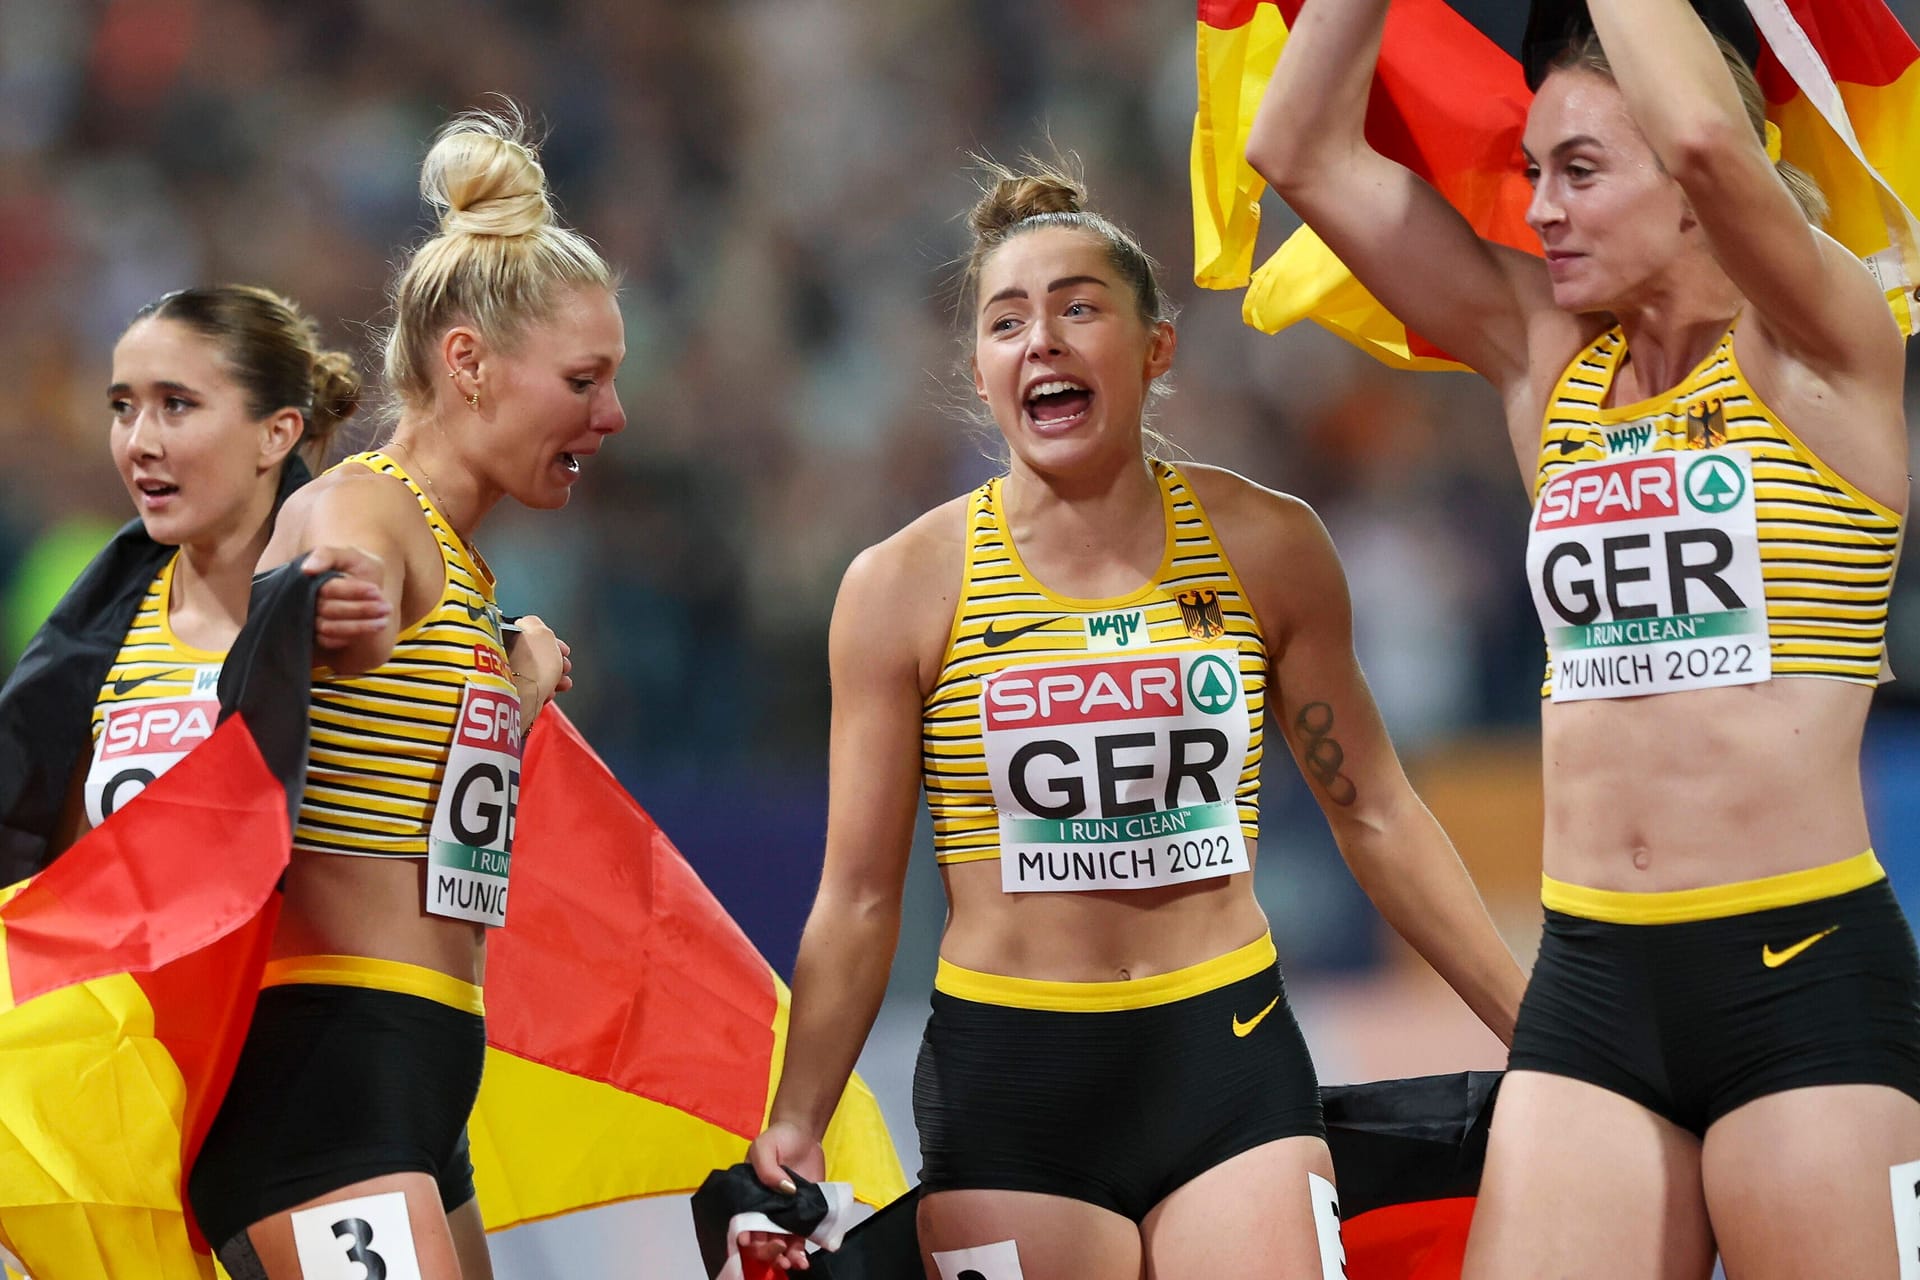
point(1569, 144)
point(1015, 291)
point(121, 388)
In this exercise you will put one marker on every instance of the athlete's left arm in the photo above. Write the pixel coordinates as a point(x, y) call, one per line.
point(1320, 702)
point(1814, 298)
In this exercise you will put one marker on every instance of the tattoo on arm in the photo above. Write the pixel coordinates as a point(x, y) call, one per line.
point(1322, 754)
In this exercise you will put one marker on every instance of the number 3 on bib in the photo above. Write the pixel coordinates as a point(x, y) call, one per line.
point(366, 1238)
point(472, 842)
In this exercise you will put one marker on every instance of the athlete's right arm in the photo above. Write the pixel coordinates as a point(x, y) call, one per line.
point(847, 948)
point(356, 525)
point(1409, 247)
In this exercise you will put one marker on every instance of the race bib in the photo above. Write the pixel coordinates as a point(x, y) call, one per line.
point(1646, 574)
point(472, 838)
point(142, 739)
point(1116, 773)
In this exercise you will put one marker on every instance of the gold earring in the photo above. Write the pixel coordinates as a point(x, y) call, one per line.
point(473, 397)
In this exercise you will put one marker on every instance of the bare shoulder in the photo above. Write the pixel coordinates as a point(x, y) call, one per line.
point(1243, 511)
point(898, 596)
point(1279, 549)
point(349, 506)
point(354, 495)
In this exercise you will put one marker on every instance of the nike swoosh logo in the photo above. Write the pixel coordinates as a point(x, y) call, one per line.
point(1244, 1029)
point(1572, 446)
point(121, 688)
point(1774, 959)
point(994, 639)
point(481, 614)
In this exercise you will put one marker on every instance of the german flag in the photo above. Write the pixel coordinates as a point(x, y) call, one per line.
point(634, 1029)
point(1408, 1155)
point(1842, 79)
point(1450, 102)
point(634, 1033)
point(129, 967)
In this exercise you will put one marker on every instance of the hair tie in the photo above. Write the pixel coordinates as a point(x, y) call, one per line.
point(1773, 142)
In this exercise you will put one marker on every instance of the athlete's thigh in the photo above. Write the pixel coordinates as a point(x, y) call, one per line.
point(1799, 1182)
point(1250, 1215)
point(470, 1241)
point(331, 1227)
point(1053, 1237)
point(1582, 1184)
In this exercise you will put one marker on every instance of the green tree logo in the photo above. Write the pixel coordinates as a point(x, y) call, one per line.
point(1715, 484)
point(1213, 685)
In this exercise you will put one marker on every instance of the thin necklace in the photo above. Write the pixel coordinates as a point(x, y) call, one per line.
point(417, 470)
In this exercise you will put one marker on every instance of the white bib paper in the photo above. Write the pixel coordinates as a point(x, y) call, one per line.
point(1906, 1216)
point(1326, 1227)
point(1116, 773)
point(472, 839)
point(1646, 575)
point(142, 739)
point(367, 1238)
point(997, 1261)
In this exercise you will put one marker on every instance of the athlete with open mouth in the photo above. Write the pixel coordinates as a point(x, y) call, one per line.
point(1077, 662)
point(341, 1140)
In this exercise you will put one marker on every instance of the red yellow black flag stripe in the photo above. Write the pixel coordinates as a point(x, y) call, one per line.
point(1450, 102)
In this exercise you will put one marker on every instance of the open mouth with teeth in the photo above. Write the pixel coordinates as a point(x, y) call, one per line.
point(571, 462)
point(156, 488)
point(1060, 402)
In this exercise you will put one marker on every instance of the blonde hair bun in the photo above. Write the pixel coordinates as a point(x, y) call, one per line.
point(485, 178)
point(499, 258)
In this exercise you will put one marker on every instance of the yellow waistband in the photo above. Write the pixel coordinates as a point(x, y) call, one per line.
point(375, 975)
point(1713, 902)
point(1106, 997)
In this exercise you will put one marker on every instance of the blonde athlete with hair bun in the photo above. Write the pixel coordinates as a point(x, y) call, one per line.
point(1077, 661)
point(1720, 1046)
point(341, 1139)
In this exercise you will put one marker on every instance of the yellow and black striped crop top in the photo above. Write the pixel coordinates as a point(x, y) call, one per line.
point(379, 741)
point(1091, 663)
point(160, 699)
point(1825, 551)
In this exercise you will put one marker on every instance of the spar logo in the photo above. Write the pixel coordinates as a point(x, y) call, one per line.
point(1714, 485)
point(1084, 693)
point(167, 726)
point(490, 721)
point(1634, 490)
point(1211, 684)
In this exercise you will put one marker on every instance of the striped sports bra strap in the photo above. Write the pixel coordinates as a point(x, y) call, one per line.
point(387, 464)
